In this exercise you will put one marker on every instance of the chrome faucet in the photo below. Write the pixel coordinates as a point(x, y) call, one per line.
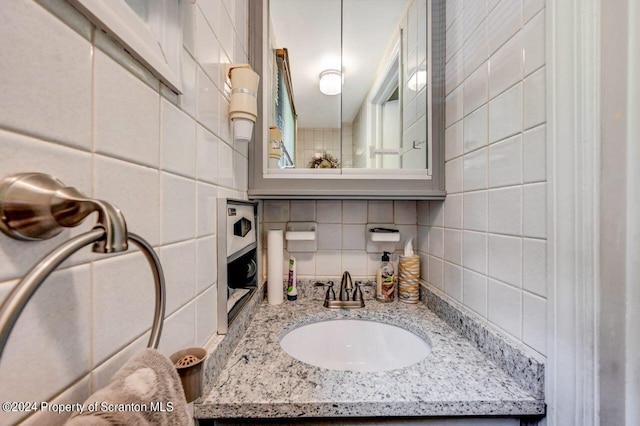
point(345, 299)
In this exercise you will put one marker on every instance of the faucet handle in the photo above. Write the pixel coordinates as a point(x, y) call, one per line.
point(331, 294)
point(357, 293)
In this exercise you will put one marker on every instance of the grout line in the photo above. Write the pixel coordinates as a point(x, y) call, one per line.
point(42, 138)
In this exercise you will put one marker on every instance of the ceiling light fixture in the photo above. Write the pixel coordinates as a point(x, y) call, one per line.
point(417, 81)
point(331, 82)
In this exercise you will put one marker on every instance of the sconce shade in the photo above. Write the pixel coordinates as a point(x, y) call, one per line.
point(331, 82)
point(275, 137)
point(243, 108)
point(242, 129)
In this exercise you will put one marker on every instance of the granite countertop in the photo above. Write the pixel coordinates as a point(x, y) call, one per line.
point(260, 380)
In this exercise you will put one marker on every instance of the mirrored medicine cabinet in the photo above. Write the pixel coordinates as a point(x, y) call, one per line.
point(351, 100)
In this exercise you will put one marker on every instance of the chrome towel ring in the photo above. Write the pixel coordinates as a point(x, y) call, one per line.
point(33, 206)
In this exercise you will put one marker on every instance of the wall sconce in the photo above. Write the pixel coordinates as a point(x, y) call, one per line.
point(331, 82)
point(243, 109)
point(278, 154)
point(275, 139)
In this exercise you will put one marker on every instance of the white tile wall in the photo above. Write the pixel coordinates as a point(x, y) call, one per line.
point(504, 307)
point(206, 318)
point(405, 212)
point(380, 211)
point(140, 202)
point(99, 121)
point(20, 153)
point(453, 211)
point(453, 281)
point(475, 48)
point(436, 272)
point(178, 141)
point(505, 114)
point(53, 105)
point(436, 242)
point(473, 15)
point(206, 267)
point(475, 130)
point(474, 251)
point(79, 391)
point(329, 236)
point(41, 339)
point(534, 209)
point(495, 127)
point(179, 263)
point(453, 141)
point(505, 210)
point(453, 246)
point(179, 329)
point(207, 202)
point(534, 155)
point(303, 211)
point(505, 162)
point(534, 266)
point(177, 194)
point(475, 292)
point(123, 297)
point(475, 210)
point(454, 72)
point(504, 21)
point(506, 66)
point(475, 170)
point(353, 237)
point(354, 211)
point(505, 259)
point(475, 89)
point(126, 114)
point(531, 7)
point(534, 320)
point(453, 107)
point(453, 176)
point(534, 47)
point(534, 99)
point(329, 211)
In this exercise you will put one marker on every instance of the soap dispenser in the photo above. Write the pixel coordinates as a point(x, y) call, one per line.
point(385, 280)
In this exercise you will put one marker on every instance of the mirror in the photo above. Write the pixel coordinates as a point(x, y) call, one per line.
point(350, 86)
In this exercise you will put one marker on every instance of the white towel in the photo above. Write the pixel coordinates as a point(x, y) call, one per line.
point(145, 391)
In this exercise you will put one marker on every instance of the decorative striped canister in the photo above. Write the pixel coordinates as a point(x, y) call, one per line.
point(408, 276)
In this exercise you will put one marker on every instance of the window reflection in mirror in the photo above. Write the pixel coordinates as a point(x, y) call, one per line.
point(353, 90)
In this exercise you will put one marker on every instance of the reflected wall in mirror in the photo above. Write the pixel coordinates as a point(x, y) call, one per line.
point(349, 85)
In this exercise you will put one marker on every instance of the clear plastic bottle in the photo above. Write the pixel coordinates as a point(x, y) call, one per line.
point(385, 280)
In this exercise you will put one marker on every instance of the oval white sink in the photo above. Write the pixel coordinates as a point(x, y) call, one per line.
point(355, 345)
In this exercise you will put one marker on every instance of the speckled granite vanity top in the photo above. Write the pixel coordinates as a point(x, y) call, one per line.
point(260, 380)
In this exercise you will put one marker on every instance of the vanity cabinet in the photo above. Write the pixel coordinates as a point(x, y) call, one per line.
point(382, 136)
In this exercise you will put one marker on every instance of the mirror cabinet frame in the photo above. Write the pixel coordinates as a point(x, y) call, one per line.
point(371, 185)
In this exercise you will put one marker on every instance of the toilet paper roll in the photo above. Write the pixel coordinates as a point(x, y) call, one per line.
point(408, 279)
point(275, 261)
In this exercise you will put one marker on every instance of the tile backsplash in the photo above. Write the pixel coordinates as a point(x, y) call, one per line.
point(343, 241)
point(74, 104)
